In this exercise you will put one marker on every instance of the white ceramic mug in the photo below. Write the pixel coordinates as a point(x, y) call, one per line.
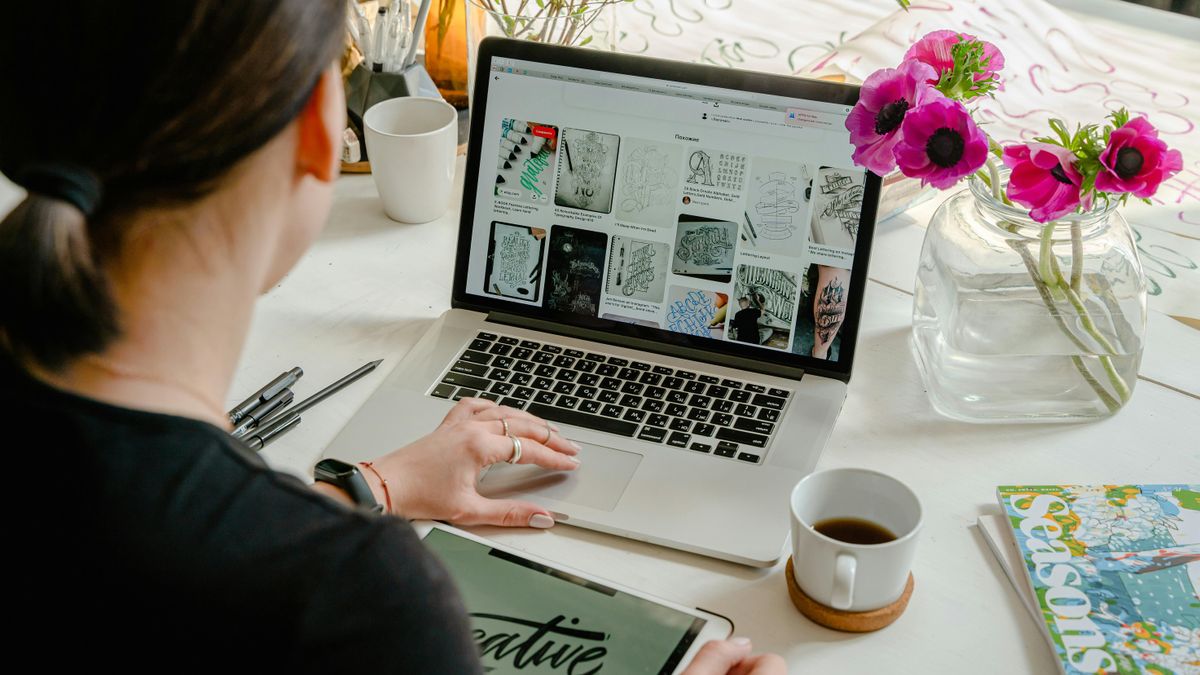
point(853, 577)
point(411, 142)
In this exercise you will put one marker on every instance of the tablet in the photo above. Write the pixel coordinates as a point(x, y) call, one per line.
point(532, 616)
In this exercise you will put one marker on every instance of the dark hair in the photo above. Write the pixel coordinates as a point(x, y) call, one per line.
point(113, 107)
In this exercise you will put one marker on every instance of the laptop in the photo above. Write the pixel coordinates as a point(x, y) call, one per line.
point(666, 259)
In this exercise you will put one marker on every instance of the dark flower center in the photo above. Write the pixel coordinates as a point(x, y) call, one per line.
point(1129, 162)
point(890, 116)
point(945, 147)
point(1060, 174)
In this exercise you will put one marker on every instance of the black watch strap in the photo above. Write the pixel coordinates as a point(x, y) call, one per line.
point(349, 479)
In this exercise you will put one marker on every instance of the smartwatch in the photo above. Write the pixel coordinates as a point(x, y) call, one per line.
point(349, 479)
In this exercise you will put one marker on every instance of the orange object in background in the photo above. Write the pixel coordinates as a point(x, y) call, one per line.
point(446, 50)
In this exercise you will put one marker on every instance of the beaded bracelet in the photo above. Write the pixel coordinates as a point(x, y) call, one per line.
point(387, 494)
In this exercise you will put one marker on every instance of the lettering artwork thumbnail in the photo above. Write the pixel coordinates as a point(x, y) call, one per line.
point(587, 171)
point(765, 306)
point(698, 312)
point(525, 165)
point(837, 207)
point(776, 207)
point(822, 310)
point(637, 269)
point(704, 248)
point(716, 169)
point(648, 182)
point(574, 270)
point(514, 262)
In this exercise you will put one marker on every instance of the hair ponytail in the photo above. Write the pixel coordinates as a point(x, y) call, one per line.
point(55, 300)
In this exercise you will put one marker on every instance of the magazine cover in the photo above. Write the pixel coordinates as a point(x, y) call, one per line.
point(1115, 570)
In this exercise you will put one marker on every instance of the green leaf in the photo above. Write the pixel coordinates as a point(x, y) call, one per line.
point(586, 40)
point(904, 4)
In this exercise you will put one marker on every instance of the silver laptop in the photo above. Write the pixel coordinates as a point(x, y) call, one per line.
point(667, 260)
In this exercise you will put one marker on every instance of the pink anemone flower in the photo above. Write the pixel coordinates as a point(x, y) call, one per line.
point(886, 97)
point(1043, 179)
point(1136, 160)
point(940, 144)
point(936, 49)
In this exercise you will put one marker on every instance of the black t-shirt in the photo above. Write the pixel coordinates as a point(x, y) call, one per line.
point(746, 324)
point(150, 541)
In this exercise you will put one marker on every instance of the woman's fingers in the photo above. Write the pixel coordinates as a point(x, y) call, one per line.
point(467, 408)
point(497, 449)
point(506, 513)
point(505, 412)
point(533, 429)
point(719, 657)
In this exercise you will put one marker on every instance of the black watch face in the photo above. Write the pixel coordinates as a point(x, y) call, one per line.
point(334, 468)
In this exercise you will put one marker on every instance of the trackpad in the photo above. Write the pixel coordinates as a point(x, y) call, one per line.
point(598, 483)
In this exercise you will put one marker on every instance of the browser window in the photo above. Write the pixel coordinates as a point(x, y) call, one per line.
point(721, 214)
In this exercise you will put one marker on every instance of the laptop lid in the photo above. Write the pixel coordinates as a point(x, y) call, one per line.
point(691, 210)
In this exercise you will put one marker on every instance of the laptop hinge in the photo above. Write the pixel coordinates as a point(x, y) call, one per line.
point(726, 360)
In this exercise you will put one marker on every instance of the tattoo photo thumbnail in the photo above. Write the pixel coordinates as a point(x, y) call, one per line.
point(587, 171)
point(526, 160)
point(574, 270)
point(823, 299)
point(763, 306)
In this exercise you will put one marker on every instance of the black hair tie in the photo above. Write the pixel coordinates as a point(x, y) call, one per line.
point(69, 182)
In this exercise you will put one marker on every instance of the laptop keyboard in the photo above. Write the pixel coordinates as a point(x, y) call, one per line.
point(636, 399)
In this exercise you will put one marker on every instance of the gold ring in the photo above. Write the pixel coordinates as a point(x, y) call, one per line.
point(549, 433)
point(504, 423)
point(516, 453)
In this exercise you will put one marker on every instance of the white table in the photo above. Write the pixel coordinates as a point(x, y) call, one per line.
point(369, 287)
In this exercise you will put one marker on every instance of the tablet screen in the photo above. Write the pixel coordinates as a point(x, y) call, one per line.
point(528, 618)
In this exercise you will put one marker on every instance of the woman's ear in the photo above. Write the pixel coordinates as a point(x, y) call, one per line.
point(320, 129)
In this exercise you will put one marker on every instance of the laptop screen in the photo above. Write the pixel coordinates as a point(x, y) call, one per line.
point(723, 218)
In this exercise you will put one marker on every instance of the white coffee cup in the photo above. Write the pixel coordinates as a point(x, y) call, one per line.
point(411, 142)
point(845, 576)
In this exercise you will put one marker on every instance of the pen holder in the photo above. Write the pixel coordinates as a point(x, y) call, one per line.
point(365, 88)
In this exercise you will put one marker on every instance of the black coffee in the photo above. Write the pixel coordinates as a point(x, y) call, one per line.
point(854, 531)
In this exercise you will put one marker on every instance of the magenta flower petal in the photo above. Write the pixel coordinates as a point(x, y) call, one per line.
point(1043, 179)
point(939, 143)
point(1136, 160)
point(885, 99)
point(936, 49)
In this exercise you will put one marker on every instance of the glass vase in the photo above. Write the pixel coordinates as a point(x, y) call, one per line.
point(571, 23)
point(446, 50)
point(1020, 321)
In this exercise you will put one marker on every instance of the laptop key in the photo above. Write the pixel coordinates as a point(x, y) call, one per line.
point(513, 403)
point(489, 396)
point(676, 410)
point(768, 415)
point(463, 392)
point(655, 434)
point(509, 340)
point(653, 405)
point(443, 391)
point(479, 345)
point(476, 357)
point(461, 380)
point(722, 419)
point(679, 439)
point(699, 401)
point(610, 383)
point(500, 349)
point(501, 388)
point(588, 379)
point(694, 387)
point(727, 434)
point(564, 361)
point(574, 353)
point(552, 349)
point(612, 411)
point(697, 414)
point(543, 357)
point(722, 406)
point(498, 375)
point(590, 406)
point(564, 388)
point(744, 410)
point(523, 366)
point(747, 457)
point(663, 370)
point(677, 397)
point(756, 388)
point(609, 396)
point(654, 392)
point(634, 415)
point(628, 374)
point(592, 356)
point(585, 366)
point(726, 449)
point(546, 397)
point(564, 375)
point(639, 365)
point(568, 402)
point(739, 396)
point(486, 336)
point(772, 402)
point(732, 384)
point(709, 379)
point(522, 353)
point(542, 383)
point(703, 429)
point(544, 370)
point(523, 392)
point(632, 388)
point(680, 424)
point(685, 375)
point(607, 370)
point(658, 420)
point(650, 378)
point(521, 379)
point(618, 362)
point(631, 401)
point(701, 447)
point(503, 362)
point(672, 383)
point(755, 426)
point(530, 344)
point(717, 391)
point(468, 368)
point(781, 393)
point(586, 392)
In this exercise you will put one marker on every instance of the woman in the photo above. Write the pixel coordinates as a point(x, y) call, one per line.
point(178, 159)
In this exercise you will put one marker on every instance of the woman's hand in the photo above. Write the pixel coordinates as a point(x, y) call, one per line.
point(435, 477)
point(733, 657)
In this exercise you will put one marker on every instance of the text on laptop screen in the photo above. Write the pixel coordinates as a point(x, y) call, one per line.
point(725, 215)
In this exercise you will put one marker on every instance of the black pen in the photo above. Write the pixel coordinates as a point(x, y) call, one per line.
point(269, 432)
point(255, 417)
point(324, 393)
point(284, 381)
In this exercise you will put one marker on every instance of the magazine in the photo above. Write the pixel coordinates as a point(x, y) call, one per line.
point(1114, 571)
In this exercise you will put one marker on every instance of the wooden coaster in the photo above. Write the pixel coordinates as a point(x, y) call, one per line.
point(849, 622)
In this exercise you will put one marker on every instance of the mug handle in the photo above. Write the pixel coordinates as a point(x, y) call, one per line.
point(843, 580)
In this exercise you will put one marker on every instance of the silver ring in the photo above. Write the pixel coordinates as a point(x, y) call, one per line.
point(549, 433)
point(516, 453)
point(504, 422)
